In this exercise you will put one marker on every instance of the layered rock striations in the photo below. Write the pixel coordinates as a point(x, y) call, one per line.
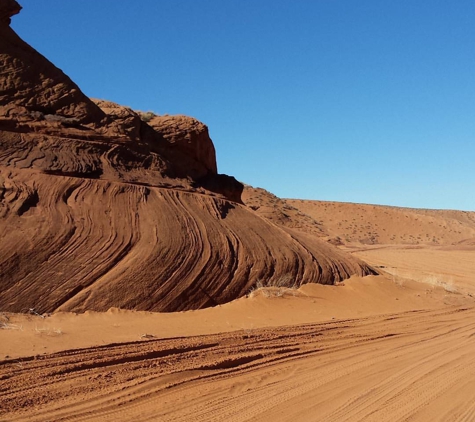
point(99, 208)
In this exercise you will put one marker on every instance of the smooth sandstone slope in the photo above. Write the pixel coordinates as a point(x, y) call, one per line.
point(99, 209)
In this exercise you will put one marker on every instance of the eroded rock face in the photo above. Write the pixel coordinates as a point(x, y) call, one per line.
point(85, 138)
point(100, 209)
point(8, 8)
point(32, 84)
point(179, 139)
point(125, 121)
point(188, 135)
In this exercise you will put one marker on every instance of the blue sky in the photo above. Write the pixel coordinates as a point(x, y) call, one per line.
point(368, 101)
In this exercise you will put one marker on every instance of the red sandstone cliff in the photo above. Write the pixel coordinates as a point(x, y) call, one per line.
point(100, 209)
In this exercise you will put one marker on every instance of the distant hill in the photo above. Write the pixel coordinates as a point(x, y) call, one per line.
point(377, 224)
point(348, 224)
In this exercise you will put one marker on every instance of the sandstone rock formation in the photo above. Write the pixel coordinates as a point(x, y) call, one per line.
point(189, 136)
point(100, 209)
point(8, 8)
point(30, 84)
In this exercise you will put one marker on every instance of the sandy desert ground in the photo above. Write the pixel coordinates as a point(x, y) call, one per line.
point(378, 348)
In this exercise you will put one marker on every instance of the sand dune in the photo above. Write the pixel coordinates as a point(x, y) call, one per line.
point(267, 307)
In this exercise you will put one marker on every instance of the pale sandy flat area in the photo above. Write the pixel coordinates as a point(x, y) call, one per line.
point(450, 267)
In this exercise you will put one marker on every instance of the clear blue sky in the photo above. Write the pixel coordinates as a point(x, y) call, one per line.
point(367, 101)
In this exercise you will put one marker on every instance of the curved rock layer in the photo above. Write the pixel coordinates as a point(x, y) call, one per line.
point(81, 244)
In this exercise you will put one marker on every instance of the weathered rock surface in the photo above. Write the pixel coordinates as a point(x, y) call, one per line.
point(8, 8)
point(188, 135)
point(100, 209)
point(30, 84)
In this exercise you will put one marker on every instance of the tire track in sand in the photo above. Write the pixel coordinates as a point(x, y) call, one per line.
point(408, 366)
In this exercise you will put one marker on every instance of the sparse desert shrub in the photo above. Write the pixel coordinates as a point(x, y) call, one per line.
point(446, 284)
point(146, 116)
point(435, 280)
point(5, 323)
point(278, 287)
point(65, 121)
point(49, 331)
point(8, 326)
